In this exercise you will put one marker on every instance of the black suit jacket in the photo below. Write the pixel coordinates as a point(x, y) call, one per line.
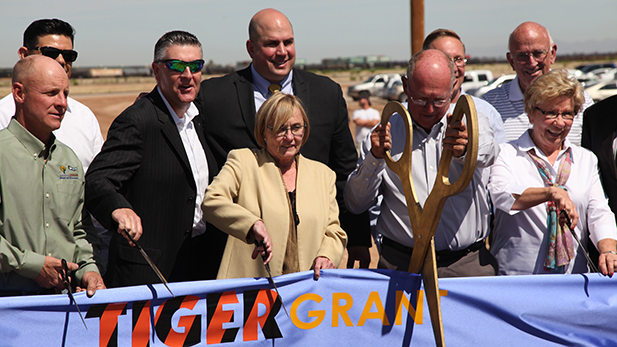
point(599, 128)
point(228, 106)
point(143, 166)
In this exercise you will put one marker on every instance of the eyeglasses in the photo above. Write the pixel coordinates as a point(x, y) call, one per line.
point(296, 130)
point(69, 55)
point(460, 62)
point(552, 115)
point(523, 57)
point(181, 65)
point(436, 103)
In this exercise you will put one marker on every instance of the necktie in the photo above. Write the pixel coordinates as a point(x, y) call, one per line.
point(274, 87)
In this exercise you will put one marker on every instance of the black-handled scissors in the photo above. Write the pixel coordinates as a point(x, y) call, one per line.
point(64, 272)
point(580, 244)
point(264, 257)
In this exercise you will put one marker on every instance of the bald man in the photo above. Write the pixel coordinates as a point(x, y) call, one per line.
point(464, 221)
point(42, 184)
point(229, 105)
point(532, 53)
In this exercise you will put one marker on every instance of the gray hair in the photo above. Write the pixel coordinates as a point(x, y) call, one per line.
point(175, 38)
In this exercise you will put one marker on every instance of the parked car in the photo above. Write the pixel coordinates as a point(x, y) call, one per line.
point(496, 83)
point(589, 67)
point(371, 85)
point(475, 79)
point(396, 92)
point(383, 92)
point(602, 90)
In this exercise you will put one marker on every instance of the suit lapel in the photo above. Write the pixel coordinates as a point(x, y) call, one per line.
point(213, 168)
point(170, 132)
point(246, 99)
point(301, 89)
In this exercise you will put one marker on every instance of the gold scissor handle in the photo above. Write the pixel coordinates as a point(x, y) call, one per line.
point(402, 167)
point(464, 106)
point(442, 189)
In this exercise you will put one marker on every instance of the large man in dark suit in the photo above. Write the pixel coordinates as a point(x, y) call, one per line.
point(152, 172)
point(229, 105)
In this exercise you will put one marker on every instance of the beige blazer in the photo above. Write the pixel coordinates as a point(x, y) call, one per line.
point(250, 187)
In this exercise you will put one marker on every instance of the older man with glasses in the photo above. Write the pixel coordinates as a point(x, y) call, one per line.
point(450, 43)
point(459, 238)
point(532, 53)
point(152, 173)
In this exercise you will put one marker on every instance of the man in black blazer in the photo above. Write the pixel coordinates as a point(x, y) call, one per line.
point(599, 136)
point(151, 175)
point(599, 131)
point(229, 105)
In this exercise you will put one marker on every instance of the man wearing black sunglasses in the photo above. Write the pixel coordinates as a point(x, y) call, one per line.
point(80, 129)
point(152, 173)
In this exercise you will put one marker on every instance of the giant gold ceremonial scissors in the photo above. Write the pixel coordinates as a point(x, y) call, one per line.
point(424, 220)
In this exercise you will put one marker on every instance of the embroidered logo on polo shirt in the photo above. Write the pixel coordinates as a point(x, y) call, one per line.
point(72, 175)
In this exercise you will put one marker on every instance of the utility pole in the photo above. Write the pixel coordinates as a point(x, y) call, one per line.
point(417, 25)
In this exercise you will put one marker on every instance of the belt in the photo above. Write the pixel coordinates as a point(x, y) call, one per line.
point(442, 256)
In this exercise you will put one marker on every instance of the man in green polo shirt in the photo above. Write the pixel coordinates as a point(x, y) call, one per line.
point(42, 217)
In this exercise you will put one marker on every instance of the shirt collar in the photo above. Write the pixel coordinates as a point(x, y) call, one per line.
point(262, 84)
point(516, 93)
point(525, 144)
point(435, 130)
point(33, 145)
point(190, 113)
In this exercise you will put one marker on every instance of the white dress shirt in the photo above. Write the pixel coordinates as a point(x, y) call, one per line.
point(197, 159)
point(465, 217)
point(79, 129)
point(494, 118)
point(520, 237)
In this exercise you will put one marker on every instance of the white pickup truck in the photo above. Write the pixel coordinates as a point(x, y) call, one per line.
point(370, 86)
point(475, 79)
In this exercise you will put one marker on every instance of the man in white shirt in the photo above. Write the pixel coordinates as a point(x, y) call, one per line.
point(365, 118)
point(80, 129)
point(532, 53)
point(464, 222)
point(450, 43)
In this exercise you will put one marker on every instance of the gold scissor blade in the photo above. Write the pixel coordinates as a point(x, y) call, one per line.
point(431, 286)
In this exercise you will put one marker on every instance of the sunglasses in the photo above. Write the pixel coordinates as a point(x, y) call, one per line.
point(69, 55)
point(181, 65)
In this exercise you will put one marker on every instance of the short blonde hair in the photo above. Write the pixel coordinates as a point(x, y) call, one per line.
point(551, 85)
point(275, 112)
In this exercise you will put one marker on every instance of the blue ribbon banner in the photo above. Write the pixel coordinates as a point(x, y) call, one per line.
point(359, 307)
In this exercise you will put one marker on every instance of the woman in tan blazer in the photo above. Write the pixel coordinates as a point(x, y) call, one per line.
point(277, 196)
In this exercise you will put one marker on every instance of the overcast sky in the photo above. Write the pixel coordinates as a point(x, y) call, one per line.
point(123, 32)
